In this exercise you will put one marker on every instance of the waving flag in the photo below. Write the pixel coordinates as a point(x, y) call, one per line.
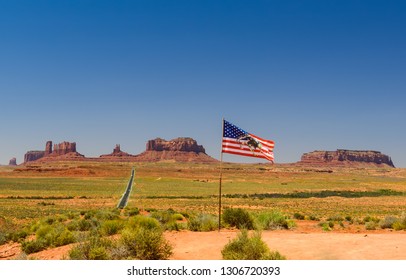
point(239, 142)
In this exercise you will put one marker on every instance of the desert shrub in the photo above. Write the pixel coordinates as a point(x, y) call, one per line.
point(50, 220)
point(73, 225)
point(146, 244)
point(89, 214)
point(63, 238)
point(177, 217)
point(132, 211)
point(168, 219)
point(18, 235)
point(111, 227)
point(370, 225)
point(401, 223)
point(34, 246)
point(370, 219)
point(107, 215)
point(3, 238)
point(273, 220)
point(143, 221)
point(312, 218)
point(98, 253)
point(335, 218)
point(163, 216)
point(245, 247)
point(72, 215)
point(88, 224)
point(174, 225)
point(202, 222)
point(298, 216)
point(239, 218)
point(94, 248)
point(388, 222)
point(43, 231)
point(326, 226)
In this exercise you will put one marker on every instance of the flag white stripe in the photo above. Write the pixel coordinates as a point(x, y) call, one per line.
point(256, 153)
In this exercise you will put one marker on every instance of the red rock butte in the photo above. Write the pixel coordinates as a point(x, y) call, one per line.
point(183, 149)
point(64, 150)
point(348, 158)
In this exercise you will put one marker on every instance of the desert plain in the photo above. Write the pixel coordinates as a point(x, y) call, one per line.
point(334, 212)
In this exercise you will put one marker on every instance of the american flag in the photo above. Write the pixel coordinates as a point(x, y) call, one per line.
point(239, 142)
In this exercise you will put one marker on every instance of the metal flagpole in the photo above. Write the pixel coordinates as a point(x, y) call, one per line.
point(221, 172)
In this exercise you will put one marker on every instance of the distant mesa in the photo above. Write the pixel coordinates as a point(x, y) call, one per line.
point(12, 162)
point(343, 157)
point(117, 153)
point(182, 149)
point(64, 150)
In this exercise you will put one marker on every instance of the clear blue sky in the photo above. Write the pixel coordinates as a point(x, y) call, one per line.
point(309, 75)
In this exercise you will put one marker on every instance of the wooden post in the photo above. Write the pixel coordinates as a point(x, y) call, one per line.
point(221, 172)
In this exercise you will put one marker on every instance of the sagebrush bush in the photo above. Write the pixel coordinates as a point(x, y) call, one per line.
point(146, 244)
point(143, 221)
point(202, 222)
point(401, 223)
point(370, 225)
point(111, 227)
point(238, 217)
point(93, 248)
point(388, 222)
point(132, 211)
point(177, 217)
point(34, 246)
point(245, 247)
point(370, 219)
point(326, 226)
point(335, 218)
point(9, 231)
point(272, 220)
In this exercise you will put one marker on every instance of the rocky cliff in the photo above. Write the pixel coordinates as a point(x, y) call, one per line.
point(182, 144)
point(183, 149)
point(12, 162)
point(346, 158)
point(61, 150)
point(33, 156)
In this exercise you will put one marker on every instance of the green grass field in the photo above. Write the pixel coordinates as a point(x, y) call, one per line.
point(55, 188)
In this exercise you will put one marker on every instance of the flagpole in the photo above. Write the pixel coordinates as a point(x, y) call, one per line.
point(221, 172)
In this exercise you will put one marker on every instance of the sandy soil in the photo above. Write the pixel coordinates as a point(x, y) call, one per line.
point(297, 246)
point(306, 242)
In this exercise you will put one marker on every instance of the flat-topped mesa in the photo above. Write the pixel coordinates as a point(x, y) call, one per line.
point(59, 151)
point(182, 144)
point(343, 157)
point(33, 156)
point(182, 149)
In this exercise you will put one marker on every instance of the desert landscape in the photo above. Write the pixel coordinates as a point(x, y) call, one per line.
point(333, 204)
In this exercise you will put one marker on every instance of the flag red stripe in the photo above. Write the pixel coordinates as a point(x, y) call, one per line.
point(244, 154)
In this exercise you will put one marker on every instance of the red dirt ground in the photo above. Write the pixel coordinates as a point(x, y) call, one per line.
point(306, 242)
